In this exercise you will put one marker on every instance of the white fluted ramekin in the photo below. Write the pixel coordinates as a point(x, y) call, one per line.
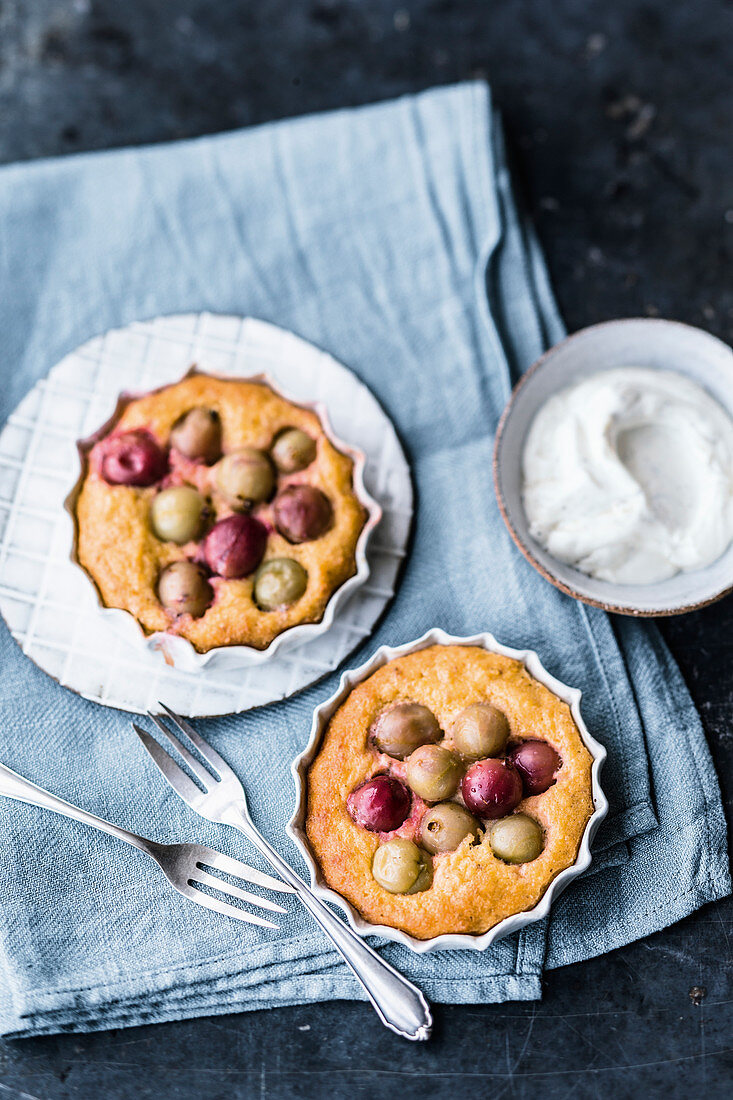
point(449, 941)
point(178, 651)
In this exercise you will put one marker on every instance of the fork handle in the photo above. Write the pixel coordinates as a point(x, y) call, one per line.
point(399, 1004)
point(22, 790)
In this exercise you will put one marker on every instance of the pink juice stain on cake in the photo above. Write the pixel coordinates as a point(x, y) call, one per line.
point(186, 471)
point(96, 455)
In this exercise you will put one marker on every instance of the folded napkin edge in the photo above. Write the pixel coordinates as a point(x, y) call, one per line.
point(492, 990)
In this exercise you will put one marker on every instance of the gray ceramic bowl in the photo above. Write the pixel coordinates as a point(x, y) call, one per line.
point(296, 827)
point(640, 342)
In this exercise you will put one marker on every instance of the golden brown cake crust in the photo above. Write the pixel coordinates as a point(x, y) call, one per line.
point(472, 890)
point(118, 549)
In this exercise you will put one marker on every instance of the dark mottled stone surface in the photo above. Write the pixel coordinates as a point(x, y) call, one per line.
point(620, 118)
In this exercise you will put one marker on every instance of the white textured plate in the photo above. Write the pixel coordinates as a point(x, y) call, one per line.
point(321, 717)
point(638, 342)
point(47, 601)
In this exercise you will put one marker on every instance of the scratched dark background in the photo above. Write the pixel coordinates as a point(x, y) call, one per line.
point(620, 117)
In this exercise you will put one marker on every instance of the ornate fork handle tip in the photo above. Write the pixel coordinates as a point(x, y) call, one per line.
point(400, 1005)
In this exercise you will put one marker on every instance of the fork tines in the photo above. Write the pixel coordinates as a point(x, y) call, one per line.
point(210, 755)
point(214, 779)
point(217, 860)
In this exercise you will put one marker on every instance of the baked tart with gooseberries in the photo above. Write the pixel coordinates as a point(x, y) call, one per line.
point(449, 789)
point(217, 510)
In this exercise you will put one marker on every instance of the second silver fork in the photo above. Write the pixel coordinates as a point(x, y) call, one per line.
point(184, 865)
point(399, 1004)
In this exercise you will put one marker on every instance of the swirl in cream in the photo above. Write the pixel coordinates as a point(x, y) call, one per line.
point(628, 476)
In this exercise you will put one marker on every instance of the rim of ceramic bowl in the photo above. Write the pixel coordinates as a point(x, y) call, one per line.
point(521, 544)
point(177, 650)
point(459, 940)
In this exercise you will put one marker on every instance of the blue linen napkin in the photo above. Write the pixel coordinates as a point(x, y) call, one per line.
point(389, 236)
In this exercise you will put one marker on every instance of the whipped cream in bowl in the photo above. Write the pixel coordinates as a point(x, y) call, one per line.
point(628, 475)
point(613, 466)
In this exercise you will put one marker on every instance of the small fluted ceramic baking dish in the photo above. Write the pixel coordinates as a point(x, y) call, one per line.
point(178, 651)
point(449, 941)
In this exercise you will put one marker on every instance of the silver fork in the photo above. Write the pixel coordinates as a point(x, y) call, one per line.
point(182, 864)
point(221, 798)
